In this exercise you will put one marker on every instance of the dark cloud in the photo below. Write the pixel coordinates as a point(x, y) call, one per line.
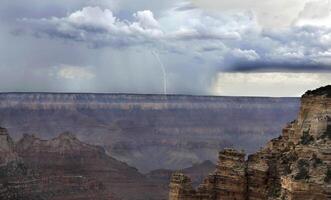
point(261, 66)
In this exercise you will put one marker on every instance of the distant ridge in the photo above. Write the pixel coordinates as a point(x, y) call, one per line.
point(140, 94)
point(184, 127)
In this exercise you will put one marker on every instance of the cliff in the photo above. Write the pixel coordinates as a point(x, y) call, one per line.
point(294, 166)
point(227, 182)
point(66, 168)
point(197, 173)
point(7, 153)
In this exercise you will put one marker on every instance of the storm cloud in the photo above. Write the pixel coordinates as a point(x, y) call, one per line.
point(191, 31)
point(115, 39)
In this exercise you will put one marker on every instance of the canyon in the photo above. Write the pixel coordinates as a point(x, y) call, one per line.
point(294, 166)
point(150, 132)
point(68, 169)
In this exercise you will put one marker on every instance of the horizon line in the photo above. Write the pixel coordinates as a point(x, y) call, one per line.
point(146, 94)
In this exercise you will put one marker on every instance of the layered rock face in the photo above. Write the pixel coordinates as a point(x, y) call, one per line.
point(65, 168)
point(231, 175)
point(309, 176)
point(228, 182)
point(295, 166)
point(9, 161)
point(7, 152)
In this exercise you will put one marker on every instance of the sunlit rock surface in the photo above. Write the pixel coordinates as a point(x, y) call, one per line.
point(294, 166)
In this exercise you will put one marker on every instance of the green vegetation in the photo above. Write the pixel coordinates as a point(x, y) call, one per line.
point(13, 169)
point(323, 91)
point(327, 133)
point(287, 160)
point(303, 173)
point(292, 157)
point(306, 138)
point(275, 191)
point(316, 161)
point(328, 176)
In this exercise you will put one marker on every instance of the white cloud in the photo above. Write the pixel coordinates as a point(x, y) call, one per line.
point(249, 55)
point(271, 13)
point(269, 84)
point(315, 13)
point(73, 72)
point(90, 16)
point(98, 26)
point(146, 19)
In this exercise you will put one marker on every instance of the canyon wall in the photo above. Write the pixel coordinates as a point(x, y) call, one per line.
point(150, 131)
point(64, 168)
point(294, 166)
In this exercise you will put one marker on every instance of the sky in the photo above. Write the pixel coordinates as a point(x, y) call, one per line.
point(197, 47)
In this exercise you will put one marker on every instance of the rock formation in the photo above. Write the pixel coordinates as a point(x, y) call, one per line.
point(227, 182)
point(197, 173)
point(294, 166)
point(65, 168)
point(7, 152)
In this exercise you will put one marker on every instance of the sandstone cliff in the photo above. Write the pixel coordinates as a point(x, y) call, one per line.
point(228, 182)
point(295, 166)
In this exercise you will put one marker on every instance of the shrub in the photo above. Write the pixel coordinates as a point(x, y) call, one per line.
point(306, 138)
point(327, 133)
point(303, 163)
point(316, 161)
point(275, 191)
point(14, 168)
point(303, 173)
point(328, 176)
point(293, 157)
point(320, 91)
